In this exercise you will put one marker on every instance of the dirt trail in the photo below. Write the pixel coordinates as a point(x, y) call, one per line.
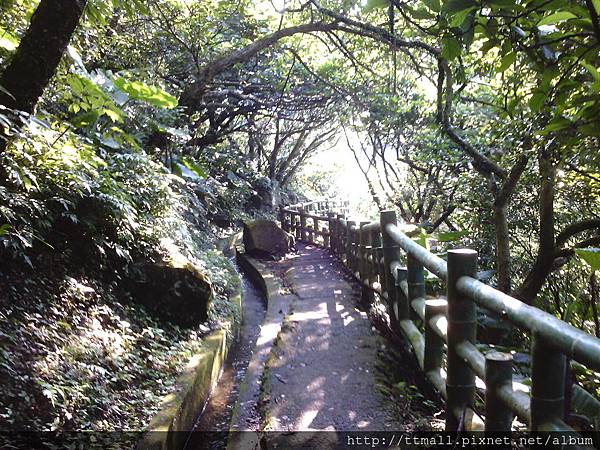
point(321, 374)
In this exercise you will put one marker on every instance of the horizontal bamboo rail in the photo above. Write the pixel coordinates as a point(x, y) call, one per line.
point(372, 252)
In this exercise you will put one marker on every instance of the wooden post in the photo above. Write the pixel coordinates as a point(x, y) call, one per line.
point(303, 230)
point(416, 283)
point(298, 226)
point(332, 224)
point(375, 241)
point(326, 237)
point(341, 230)
point(434, 344)
point(311, 229)
point(363, 264)
point(402, 304)
point(416, 279)
point(350, 259)
point(390, 254)
point(369, 266)
point(293, 224)
point(498, 374)
point(462, 326)
point(548, 383)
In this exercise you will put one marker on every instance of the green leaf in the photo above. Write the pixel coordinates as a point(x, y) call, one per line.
point(459, 17)
point(556, 124)
point(150, 94)
point(421, 14)
point(8, 41)
point(556, 17)
point(504, 4)
point(596, 4)
point(589, 130)
point(375, 4)
point(435, 5)
point(507, 61)
point(584, 403)
point(450, 236)
point(422, 238)
point(591, 256)
point(537, 100)
point(4, 228)
point(85, 119)
point(194, 167)
point(450, 48)
point(592, 70)
point(453, 6)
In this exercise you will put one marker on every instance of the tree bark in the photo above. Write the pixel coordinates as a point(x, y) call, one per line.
point(194, 91)
point(501, 202)
point(502, 249)
point(38, 55)
point(534, 281)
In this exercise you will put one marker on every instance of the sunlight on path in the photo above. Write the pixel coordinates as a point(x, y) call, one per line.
point(322, 376)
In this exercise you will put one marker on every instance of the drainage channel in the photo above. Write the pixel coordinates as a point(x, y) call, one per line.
point(211, 429)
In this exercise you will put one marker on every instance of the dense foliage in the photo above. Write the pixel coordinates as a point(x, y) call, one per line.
point(168, 121)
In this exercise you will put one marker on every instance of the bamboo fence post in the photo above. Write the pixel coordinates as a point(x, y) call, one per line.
point(350, 260)
point(416, 282)
point(341, 231)
point(363, 263)
point(390, 254)
point(498, 374)
point(333, 236)
point(374, 270)
point(548, 383)
point(298, 226)
point(462, 326)
point(303, 231)
point(402, 304)
point(434, 344)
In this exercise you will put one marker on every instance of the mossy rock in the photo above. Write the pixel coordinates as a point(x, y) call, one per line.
point(266, 238)
point(174, 289)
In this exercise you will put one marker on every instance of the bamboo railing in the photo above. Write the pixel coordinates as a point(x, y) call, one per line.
point(372, 252)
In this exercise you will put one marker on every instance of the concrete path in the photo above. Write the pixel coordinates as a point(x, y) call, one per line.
point(321, 372)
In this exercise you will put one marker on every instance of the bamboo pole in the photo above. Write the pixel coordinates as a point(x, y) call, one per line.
point(434, 344)
point(498, 375)
point(548, 369)
point(350, 257)
point(462, 326)
point(416, 281)
point(363, 264)
point(390, 254)
point(303, 230)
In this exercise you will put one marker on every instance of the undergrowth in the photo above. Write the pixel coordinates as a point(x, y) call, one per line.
point(76, 351)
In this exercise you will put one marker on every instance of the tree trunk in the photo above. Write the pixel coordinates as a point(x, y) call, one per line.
point(545, 258)
point(502, 249)
point(39, 53)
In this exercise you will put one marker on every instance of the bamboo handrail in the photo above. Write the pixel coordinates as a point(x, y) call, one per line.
point(372, 252)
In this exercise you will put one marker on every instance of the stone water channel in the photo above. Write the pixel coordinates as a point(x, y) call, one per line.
point(211, 429)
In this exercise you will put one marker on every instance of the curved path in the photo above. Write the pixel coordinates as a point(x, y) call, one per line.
point(321, 374)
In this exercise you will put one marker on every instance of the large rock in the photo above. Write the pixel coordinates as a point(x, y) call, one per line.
point(174, 289)
point(265, 237)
